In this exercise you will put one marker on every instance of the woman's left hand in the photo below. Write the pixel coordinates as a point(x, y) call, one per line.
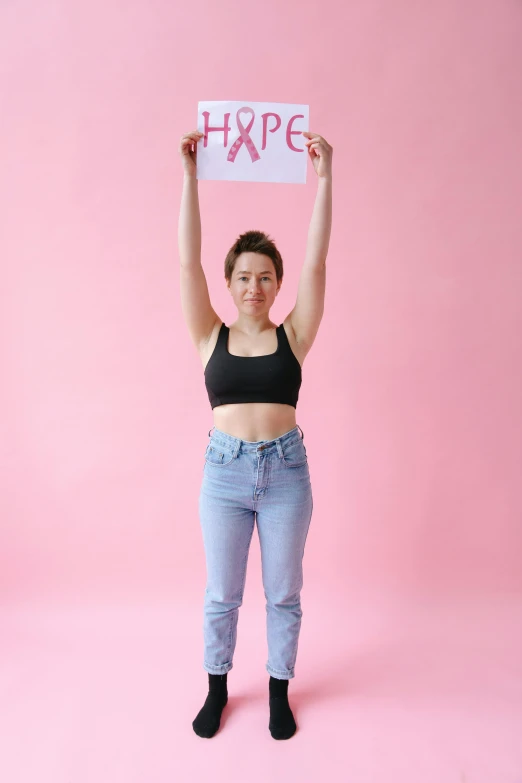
point(320, 154)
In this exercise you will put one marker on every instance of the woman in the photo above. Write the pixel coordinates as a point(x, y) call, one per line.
point(255, 467)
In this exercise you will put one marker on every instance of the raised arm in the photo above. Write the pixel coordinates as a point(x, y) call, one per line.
point(309, 307)
point(198, 312)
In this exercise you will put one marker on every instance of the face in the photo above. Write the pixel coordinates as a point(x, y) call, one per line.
point(253, 277)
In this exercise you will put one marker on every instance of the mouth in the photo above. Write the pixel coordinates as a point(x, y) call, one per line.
point(254, 300)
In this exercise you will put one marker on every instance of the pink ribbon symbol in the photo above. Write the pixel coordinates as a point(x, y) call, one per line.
point(244, 138)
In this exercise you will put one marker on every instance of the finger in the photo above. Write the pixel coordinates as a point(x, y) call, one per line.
point(192, 135)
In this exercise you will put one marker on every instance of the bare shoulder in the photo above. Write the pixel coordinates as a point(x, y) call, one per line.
point(206, 347)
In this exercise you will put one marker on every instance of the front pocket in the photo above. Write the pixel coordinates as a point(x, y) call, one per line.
point(217, 455)
point(294, 455)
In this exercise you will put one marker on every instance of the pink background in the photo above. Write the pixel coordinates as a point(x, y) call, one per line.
point(408, 666)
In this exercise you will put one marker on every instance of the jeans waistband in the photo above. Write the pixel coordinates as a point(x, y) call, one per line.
point(237, 444)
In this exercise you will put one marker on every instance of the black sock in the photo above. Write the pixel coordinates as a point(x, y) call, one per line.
point(206, 722)
point(282, 723)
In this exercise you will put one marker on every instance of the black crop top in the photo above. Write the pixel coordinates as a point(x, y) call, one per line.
point(273, 377)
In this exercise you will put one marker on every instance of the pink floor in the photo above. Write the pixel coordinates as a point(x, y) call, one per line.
point(384, 692)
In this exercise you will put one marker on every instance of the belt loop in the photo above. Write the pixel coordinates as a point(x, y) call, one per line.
point(302, 433)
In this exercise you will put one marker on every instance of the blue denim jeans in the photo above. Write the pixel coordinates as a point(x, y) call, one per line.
point(244, 482)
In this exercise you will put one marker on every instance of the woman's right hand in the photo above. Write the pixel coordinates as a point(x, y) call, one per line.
point(189, 157)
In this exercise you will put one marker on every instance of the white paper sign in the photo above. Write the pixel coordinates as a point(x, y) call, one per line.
point(252, 141)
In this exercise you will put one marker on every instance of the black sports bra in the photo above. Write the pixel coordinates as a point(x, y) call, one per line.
point(273, 377)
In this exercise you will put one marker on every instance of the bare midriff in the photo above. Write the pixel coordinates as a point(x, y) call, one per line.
point(255, 421)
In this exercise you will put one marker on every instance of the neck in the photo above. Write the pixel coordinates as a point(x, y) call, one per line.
point(253, 325)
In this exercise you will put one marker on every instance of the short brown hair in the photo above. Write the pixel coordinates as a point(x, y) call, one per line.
point(254, 242)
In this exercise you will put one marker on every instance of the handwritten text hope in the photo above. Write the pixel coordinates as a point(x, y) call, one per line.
point(244, 132)
point(238, 124)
